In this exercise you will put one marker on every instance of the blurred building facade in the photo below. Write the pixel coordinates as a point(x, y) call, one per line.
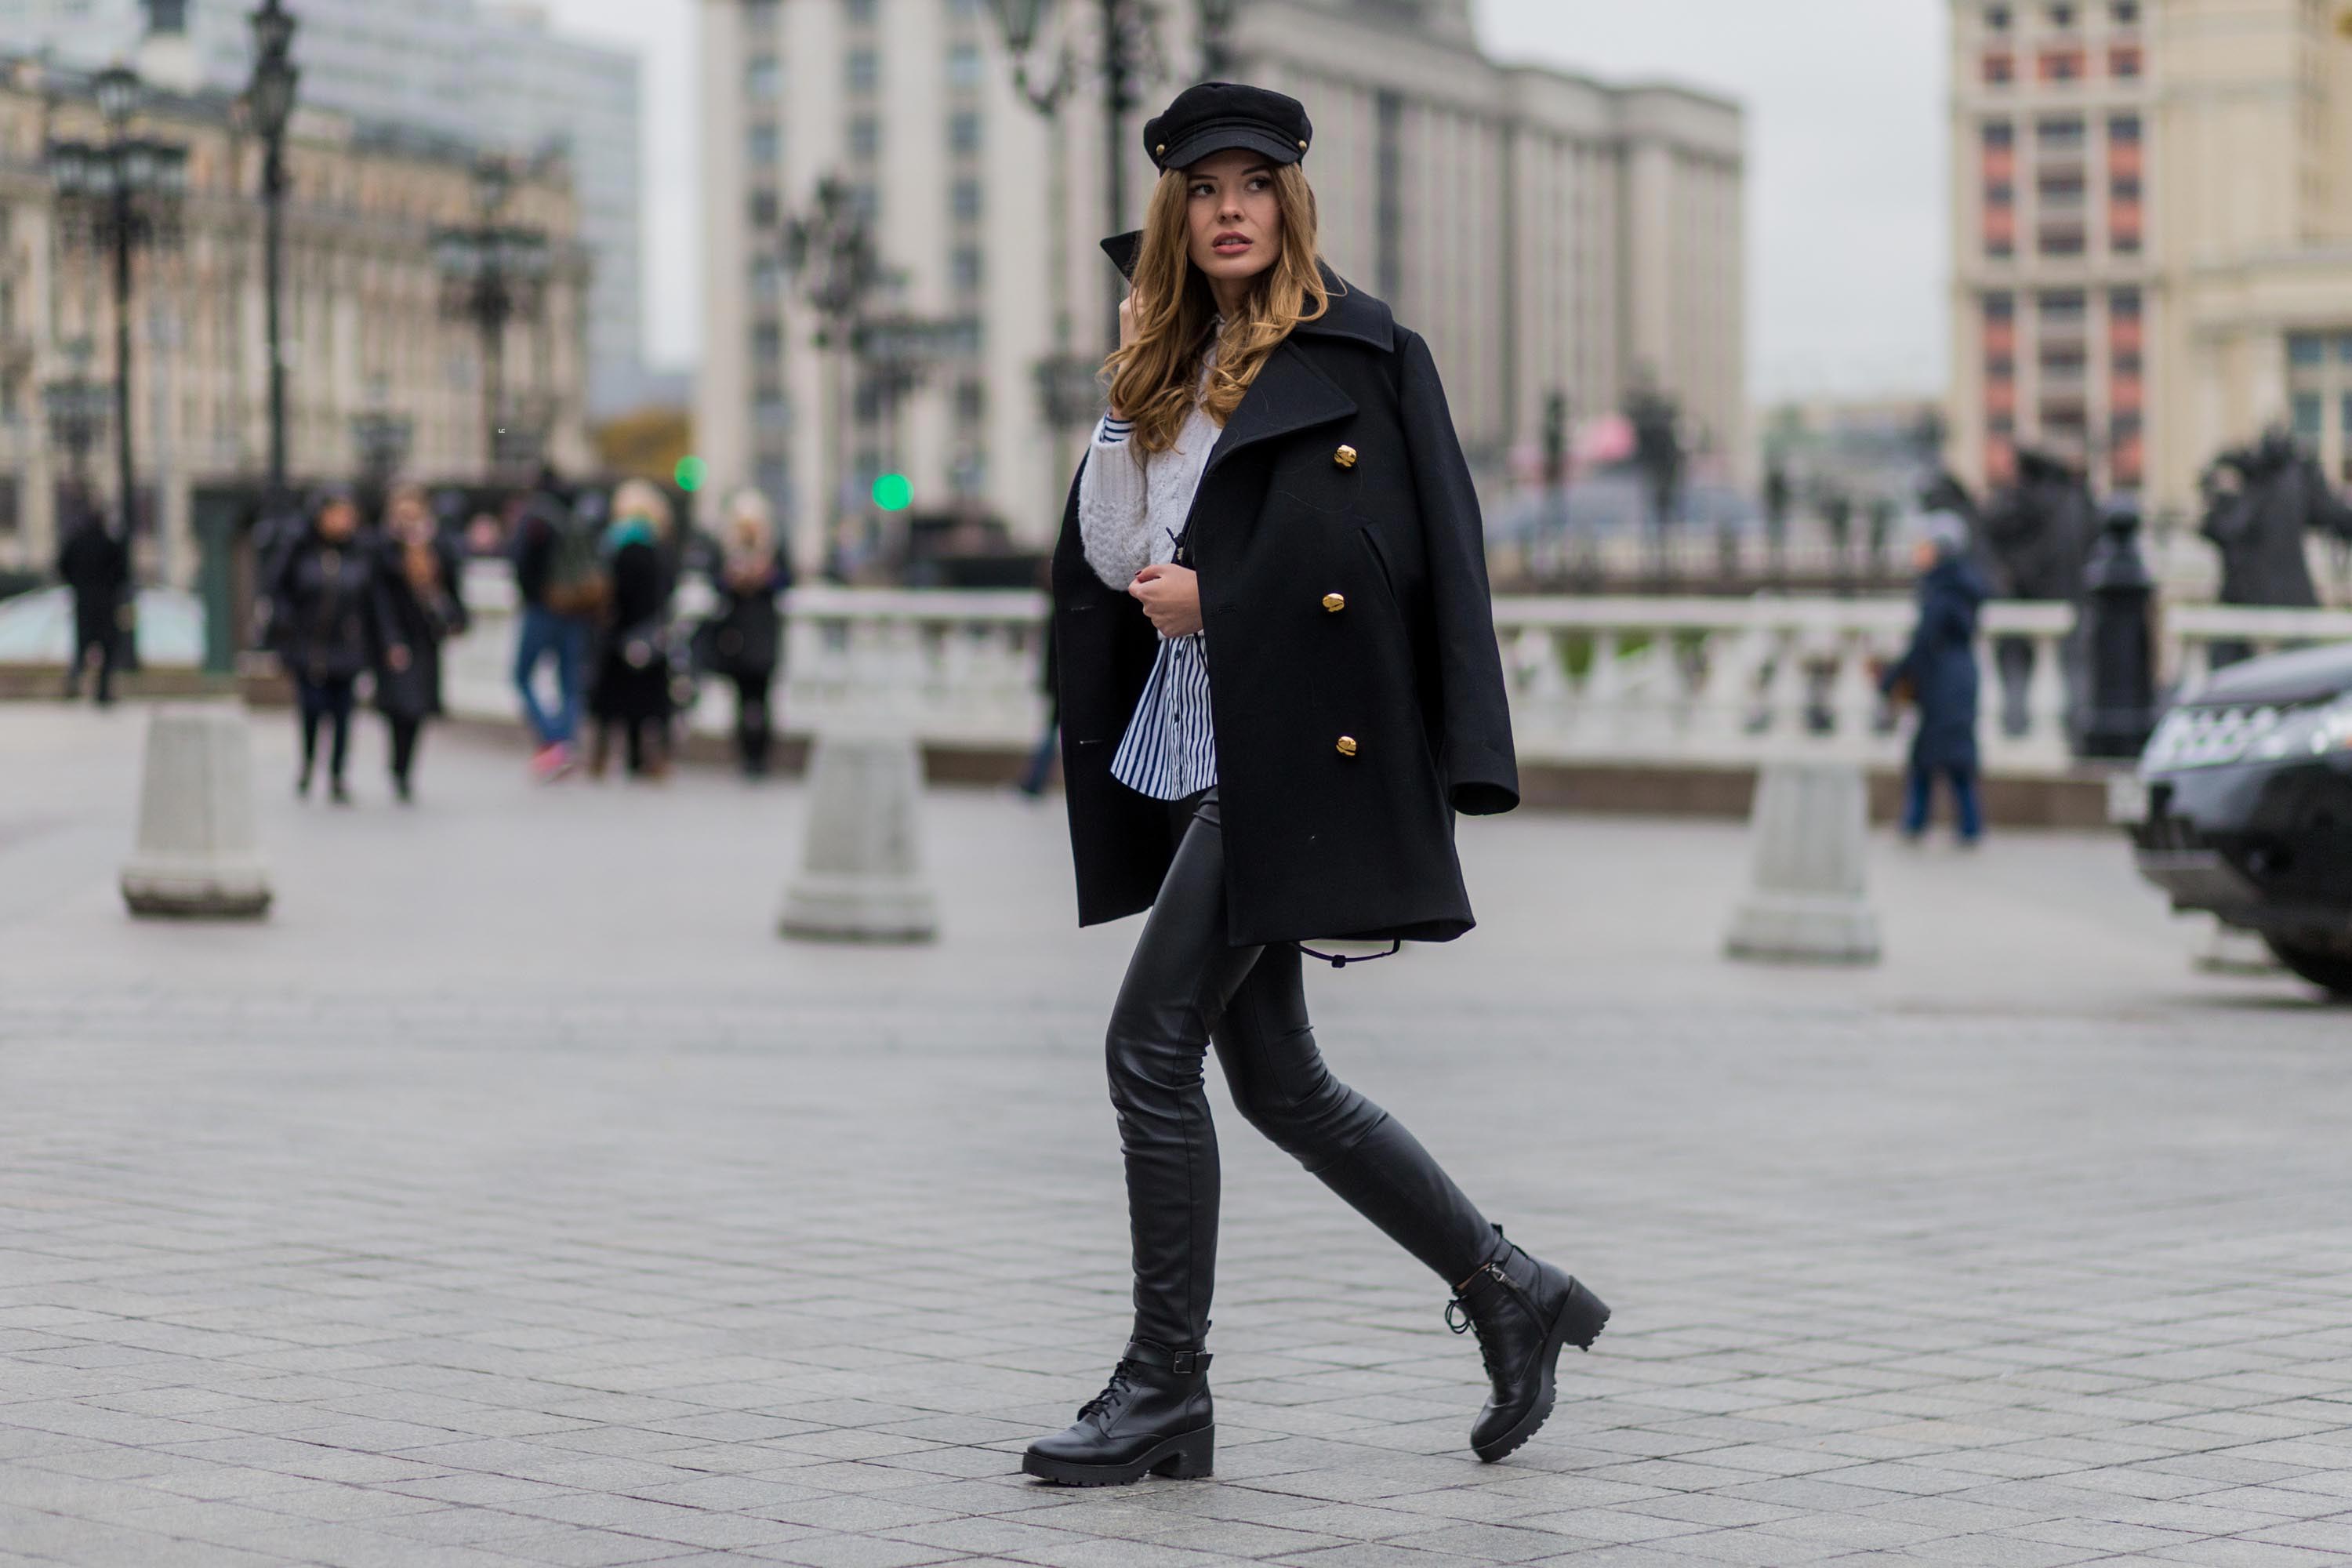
point(2152, 204)
point(363, 326)
point(485, 71)
point(1545, 232)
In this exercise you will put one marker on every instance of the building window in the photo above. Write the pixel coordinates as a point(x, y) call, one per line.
point(761, 145)
point(859, 12)
point(2061, 307)
point(763, 209)
point(2124, 63)
point(2310, 418)
point(2125, 129)
point(865, 136)
point(2061, 187)
point(2000, 68)
point(2064, 360)
point(1997, 18)
point(2126, 12)
point(2062, 239)
point(971, 401)
point(767, 279)
point(2061, 65)
point(963, 132)
point(865, 70)
point(1998, 135)
point(2000, 307)
point(866, 201)
point(767, 343)
point(1999, 194)
point(2000, 367)
point(964, 268)
point(2125, 188)
point(964, 66)
point(963, 200)
point(2305, 349)
point(2060, 135)
point(2062, 17)
point(2123, 304)
point(763, 78)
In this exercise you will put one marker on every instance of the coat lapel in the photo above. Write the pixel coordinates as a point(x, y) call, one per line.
point(1290, 395)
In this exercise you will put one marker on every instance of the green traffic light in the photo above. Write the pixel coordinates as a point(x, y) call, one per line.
point(894, 492)
point(691, 471)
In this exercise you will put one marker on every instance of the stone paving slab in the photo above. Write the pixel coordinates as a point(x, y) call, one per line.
point(512, 1196)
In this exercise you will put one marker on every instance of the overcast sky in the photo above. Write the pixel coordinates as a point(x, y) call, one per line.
point(1847, 206)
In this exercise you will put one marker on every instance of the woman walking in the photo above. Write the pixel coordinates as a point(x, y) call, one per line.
point(422, 574)
point(327, 626)
point(1279, 682)
point(632, 685)
point(745, 635)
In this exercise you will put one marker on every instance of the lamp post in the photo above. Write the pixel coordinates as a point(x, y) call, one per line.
point(1217, 57)
point(829, 251)
point(491, 273)
point(1129, 54)
point(121, 195)
point(270, 100)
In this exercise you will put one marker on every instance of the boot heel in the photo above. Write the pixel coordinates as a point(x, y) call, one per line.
point(1583, 1316)
point(1190, 1457)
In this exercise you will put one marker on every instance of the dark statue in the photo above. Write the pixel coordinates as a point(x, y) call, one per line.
point(2260, 502)
point(2037, 534)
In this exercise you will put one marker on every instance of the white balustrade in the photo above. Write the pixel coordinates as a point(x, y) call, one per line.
point(1659, 680)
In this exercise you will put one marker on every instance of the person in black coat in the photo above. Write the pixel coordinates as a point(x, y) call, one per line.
point(96, 568)
point(422, 581)
point(1938, 672)
point(744, 637)
point(327, 626)
point(630, 689)
point(1279, 684)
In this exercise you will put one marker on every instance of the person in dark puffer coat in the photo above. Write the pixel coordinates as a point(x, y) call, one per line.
point(1940, 672)
point(327, 626)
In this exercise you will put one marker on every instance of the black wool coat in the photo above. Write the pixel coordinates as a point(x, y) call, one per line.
point(419, 623)
point(1354, 678)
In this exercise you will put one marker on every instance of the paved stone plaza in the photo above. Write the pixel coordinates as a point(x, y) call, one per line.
point(513, 1197)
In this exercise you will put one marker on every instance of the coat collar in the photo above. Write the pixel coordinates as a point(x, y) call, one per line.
point(1352, 314)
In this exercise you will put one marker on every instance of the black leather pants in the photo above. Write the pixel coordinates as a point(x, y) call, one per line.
point(1186, 986)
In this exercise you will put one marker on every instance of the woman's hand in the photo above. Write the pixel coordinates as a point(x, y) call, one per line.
point(1171, 596)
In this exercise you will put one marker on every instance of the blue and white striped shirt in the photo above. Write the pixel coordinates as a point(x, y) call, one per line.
point(1170, 750)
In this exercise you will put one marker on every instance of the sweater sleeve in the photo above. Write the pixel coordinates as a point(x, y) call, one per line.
point(1114, 516)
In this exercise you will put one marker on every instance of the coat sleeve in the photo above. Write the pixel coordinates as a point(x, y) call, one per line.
point(1473, 730)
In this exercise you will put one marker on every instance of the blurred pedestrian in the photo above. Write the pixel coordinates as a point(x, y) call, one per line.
point(423, 607)
point(94, 565)
point(327, 627)
point(562, 580)
point(630, 689)
point(1938, 673)
point(1207, 775)
point(743, 639)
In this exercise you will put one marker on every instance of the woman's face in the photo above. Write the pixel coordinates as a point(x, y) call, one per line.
point(1233, 217)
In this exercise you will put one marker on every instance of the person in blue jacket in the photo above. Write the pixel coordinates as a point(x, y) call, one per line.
point(1938, 672)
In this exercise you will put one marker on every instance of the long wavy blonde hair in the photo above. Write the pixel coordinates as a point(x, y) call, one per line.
point(1152, 380)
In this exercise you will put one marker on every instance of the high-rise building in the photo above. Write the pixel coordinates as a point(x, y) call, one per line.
point(1547, 233)
point(491, 74)
point(2152, 206)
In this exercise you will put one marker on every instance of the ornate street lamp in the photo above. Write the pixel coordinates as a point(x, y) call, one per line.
point(491, 274)
point(270, 100)
point(77, 409)
point(120, 197)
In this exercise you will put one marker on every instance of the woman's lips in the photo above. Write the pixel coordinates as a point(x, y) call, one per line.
point(1228, 245)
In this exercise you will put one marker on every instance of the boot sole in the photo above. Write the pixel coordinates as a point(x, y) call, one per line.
point(1581, 1317)
point(1188, 1457)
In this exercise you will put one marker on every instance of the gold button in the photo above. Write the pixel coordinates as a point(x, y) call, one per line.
point(1302, 146)
point(1345, 457)
point(1160, 150)
point(1347, 745)
point(1335, 603)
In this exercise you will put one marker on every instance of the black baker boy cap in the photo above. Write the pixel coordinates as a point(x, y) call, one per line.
point(1215, 116)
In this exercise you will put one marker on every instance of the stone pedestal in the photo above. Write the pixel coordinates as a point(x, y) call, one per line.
point(1808, 901)
point(861, 877)
point(197, 856)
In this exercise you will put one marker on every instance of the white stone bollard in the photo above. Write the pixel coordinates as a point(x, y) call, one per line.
point(197, 854)
point(861, 877)
point(1809, 901)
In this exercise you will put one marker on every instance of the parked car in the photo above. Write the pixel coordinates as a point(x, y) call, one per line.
point(2247, 813)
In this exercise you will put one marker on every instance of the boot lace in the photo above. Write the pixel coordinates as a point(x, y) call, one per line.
point(1122, 1382)
point(1467, 1322)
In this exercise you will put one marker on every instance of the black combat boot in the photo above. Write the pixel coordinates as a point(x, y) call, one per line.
point(1524, 1311)
point(1155, 1415)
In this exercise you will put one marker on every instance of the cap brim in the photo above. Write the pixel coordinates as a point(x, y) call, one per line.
point(1222, 139)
